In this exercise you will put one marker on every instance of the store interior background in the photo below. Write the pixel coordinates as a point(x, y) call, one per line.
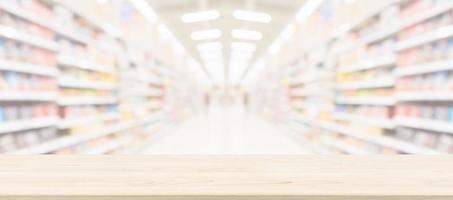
point(226, 77)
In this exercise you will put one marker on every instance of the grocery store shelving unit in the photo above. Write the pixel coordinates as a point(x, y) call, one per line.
point(29, 91)
point(83, 105)
point(369, 94)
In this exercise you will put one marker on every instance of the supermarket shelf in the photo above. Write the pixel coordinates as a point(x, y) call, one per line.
point(367, 100)
point(28, 68)
point(22, 13)
point(103, 149)
point(380, 35)
point(426, 124)
point(425, 96)
point(145, 93)
point(437, 66)
point(13, 126)
point(347, 148)
point(28, 96)
point(313, 78)
point(378, 139)
point(426, 15)
point(389, 31)
point(77, 139)
point(68, 123)
point(83, 64)
point(370, 64)
point(311, 92)
point(69, 101)
point(70, 34)
point(432, 36)
point(367, 84)
point(14, 34)
point(383, 123)
point(79, 83)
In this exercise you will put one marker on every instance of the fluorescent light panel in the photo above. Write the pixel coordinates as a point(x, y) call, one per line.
point(206, 34)
point(252, 16)
point(246, 34)
point(201, 16)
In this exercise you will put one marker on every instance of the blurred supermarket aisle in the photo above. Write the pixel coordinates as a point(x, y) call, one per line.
point(226, 130)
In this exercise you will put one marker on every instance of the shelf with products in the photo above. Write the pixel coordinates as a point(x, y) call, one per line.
point(109, 146)
point(407, 20)
point(385, 100)
point(365, 118)
point(71, 140)
point(381, 82)
point(424, 85)
point(28, 85)
point(382, 140)
point(71, 82)
point(86, 100)
point(425, 68)
point(342, 146)
point(27, 68)
point(27, 124)
point(86, 115)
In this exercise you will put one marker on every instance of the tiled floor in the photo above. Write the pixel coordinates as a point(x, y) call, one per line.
point(225, 130)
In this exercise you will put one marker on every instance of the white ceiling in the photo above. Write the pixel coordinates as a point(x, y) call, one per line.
point(170, 12)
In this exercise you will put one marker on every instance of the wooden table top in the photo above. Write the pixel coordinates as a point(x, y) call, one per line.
point(226, 177)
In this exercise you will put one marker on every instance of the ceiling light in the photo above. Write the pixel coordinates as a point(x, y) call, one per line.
point(206, 34)
point(210, 46)
point(246, 34)
point(243, 46)
point(200, 16)
point(143, 7)
point(252, 16)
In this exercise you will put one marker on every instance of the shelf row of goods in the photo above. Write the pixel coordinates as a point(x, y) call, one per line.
point(389, 89)
point(60, 88)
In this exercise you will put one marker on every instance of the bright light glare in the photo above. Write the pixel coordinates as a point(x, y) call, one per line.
point(210, 46)
point(241, 55)
point(236, 69)
point(243, 46)
point(143, 7)
point(211, 55)
point(308, 9)
point(288, 32)
point(246, 34)
point(164, 32)
point(207, 15)
point(206, 34)
point(252, 16)
point(217, 71)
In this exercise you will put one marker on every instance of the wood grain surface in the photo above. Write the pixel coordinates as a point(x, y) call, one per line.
point(226, 177)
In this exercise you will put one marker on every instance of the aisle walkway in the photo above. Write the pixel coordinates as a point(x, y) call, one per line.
point(225, 130)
